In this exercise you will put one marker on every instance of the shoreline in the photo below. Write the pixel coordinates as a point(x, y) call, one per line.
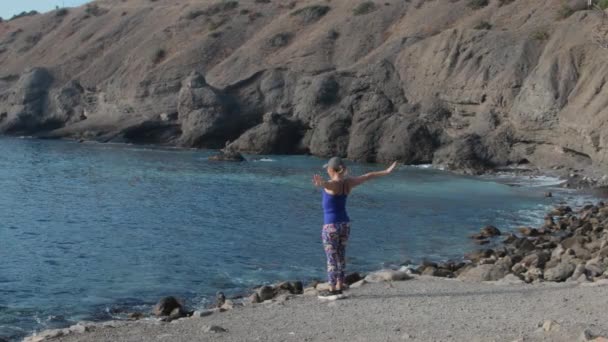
point(419, 309)
point(586, 180)
point(570, 249)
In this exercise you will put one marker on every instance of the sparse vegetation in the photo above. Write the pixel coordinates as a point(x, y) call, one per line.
point(478, 4)
point(280, 40)
point(254, 16)
point(94, 10)
point(505, 2)
point(194, 14)
point(333, 34)
point(483, 25)
point(540, 35)
point(158, 55)
point(24, 14)
point(311, 13)
point(221, 7)
point(214, 25)
point(61, 12)
point(603, 4)
point(565, 11)
point(364, 8)
point(33, 39)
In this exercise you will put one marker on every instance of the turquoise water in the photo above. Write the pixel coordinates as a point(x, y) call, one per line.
point(90, 230)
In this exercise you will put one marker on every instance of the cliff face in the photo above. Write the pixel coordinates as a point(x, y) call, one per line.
point(420, 80)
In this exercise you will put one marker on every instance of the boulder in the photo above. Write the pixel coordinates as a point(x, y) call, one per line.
point(488, 272)
point(266, 292)
point(295, 287)
point(533, 274)
point(561, 272)
point(579, 273)
point(276, 134)
point(479, 254)
point(489, 231)
point(537, 259)
point(352, 278)
point(167, 305)
point(528, 231)
point(230, 156)
point(134, 316)
point(213, 329)
point(596, 267)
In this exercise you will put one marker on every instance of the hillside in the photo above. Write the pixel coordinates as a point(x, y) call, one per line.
point(454, 83)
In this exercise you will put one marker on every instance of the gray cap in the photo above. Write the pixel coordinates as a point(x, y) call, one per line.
point(335, 163)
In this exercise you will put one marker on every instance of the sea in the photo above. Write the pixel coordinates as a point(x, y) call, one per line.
point(90, 231)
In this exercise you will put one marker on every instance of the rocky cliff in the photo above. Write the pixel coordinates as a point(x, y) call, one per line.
point(467, 84)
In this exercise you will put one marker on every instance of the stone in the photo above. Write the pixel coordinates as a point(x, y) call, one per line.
point(213, 329)
point(533, 274)
point(536, 259)
point(166, 306)
point(230, 156)
point(488, 272)
point(479, 254)
point(528, 231)
point(586, 335)
point(560, 272)
point(387, 275)
point(550, 326)
point(227, 305)
point(254, 298)
point(596, 267)
point(79, 329)
point(489, 231)
point(220, 299)
point(202, 313)
point(352, 278)
point(266, 292)
point(134, 316)
point(579, 273)
point(323, 287)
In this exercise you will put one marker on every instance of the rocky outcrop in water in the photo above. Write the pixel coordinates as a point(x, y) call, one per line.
point(478, 87)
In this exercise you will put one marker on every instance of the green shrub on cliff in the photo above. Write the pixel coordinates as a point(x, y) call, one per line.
point(364, 8)
point(483, 25)
point(603, 4)
point(158, 55)
point(540, 35)
point(61, 12)
point(311, 13)
point(477, 4)
point(24, 14)
point(564, 11)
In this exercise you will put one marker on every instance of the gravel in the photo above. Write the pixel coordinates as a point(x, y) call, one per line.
point(422, 309)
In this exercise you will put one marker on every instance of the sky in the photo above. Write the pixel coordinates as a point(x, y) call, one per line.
point(8, 8)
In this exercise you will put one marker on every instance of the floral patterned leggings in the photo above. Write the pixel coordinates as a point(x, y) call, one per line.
point(335, 236)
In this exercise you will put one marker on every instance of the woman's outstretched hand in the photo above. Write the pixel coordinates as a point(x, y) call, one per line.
point(317, 180)
point(391, 168)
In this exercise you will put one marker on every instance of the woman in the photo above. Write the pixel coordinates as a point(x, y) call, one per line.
point(336, 226)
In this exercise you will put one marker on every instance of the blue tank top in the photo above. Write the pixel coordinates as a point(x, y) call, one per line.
point(334, 208)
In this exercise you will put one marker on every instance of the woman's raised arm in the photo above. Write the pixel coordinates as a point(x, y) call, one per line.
point(356, 181)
